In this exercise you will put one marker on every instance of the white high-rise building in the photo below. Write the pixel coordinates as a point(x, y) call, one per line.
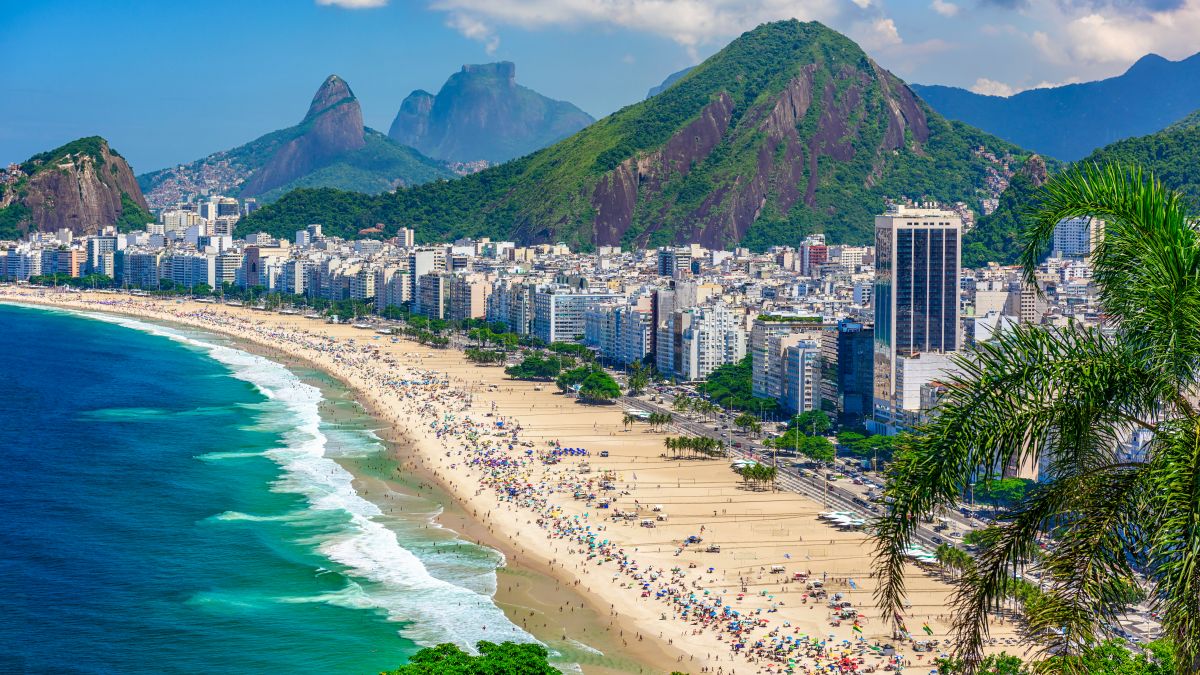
point(1076, 238)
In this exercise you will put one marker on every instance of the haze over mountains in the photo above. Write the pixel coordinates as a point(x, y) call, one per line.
point(330, 147)
point(1070, 121)
point(789, 129)
point(481, 113)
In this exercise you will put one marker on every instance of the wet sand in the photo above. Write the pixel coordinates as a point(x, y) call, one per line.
point(758, 530)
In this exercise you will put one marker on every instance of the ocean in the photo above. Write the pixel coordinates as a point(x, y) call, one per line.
point(174, 504)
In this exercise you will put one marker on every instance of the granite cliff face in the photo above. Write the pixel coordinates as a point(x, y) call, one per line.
point(482, 113)
point(332, 126)
point(82, 186)
point(788, 130)
point(328, 148)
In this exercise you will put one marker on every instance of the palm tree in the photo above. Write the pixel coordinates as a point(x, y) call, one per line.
point(1065, 399)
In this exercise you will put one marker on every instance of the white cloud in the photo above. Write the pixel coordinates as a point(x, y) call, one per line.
point(687, 22)
point(992, 88)
point(1045, 84)
point(944, 8)
point(474, 29)
point(353, 4)
point(1119, 34)
point(881, 35)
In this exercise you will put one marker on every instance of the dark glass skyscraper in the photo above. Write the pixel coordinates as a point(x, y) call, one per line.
point(916, 298)
point(854, 372)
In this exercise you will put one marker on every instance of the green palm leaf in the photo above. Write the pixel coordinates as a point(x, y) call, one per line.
point(1066, 400)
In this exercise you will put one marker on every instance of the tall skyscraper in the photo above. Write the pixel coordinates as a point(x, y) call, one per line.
point(917, 268)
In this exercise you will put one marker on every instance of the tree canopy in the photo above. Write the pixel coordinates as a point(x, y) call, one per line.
point(493, 659)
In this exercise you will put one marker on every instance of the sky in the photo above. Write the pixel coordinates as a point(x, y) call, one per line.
point(172, 81)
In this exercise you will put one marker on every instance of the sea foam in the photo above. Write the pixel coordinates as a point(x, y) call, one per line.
point(388, 576)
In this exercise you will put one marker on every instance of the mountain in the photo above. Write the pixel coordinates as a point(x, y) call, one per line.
point(1153, 93)
point(82, 186)
point(481, 113)
point(788, 130)
point(1172, 155)
point(671, 79)
point(996, 237)
point(328, 148)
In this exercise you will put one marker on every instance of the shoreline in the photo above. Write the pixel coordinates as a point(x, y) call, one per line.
point(520, 593)
point(673, 630)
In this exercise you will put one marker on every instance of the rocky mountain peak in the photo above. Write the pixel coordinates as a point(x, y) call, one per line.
point(333, 91)
point(481, 113)
point(333, 126)
point(82, 186)
point(505, 71)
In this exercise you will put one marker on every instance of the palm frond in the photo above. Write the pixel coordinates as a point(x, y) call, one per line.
point(1147, 264)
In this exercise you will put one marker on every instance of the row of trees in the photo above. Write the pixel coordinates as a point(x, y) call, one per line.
point(1110, 657)
point(507, 657)
point(954, 559)
point(484, 356)
point(656, 420)
point(694, 446)
point(695, 404)
point(758, 475)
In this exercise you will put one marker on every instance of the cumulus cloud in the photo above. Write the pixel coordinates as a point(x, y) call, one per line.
point(881, 35)
point(687, 22)
point(474, 29)
point(353, 4)
point(944, 8)
point(992, 88)
point(1117, 32)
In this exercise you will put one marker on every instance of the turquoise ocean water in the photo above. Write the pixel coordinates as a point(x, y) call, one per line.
point(172, 504)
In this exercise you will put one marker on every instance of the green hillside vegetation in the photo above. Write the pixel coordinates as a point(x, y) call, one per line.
point(379, 167)
point(548, 195)
point(997, 236)
point(133, 216)
point(91, 146)
point(1172, 155)
point(11, 217)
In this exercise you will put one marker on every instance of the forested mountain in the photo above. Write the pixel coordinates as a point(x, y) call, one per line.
point(328, 148)
point(481, 113)
point(788, 130)
point(1152, 94)
point(1172, 155)
point(82, 186)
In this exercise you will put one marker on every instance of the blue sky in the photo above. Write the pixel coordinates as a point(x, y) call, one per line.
point(171, 81)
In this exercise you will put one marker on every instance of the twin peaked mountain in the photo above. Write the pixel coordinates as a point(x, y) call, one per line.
point(789, 129)
point(480, 114)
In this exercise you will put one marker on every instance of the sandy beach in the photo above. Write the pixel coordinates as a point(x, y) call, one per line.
point(521, 464)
